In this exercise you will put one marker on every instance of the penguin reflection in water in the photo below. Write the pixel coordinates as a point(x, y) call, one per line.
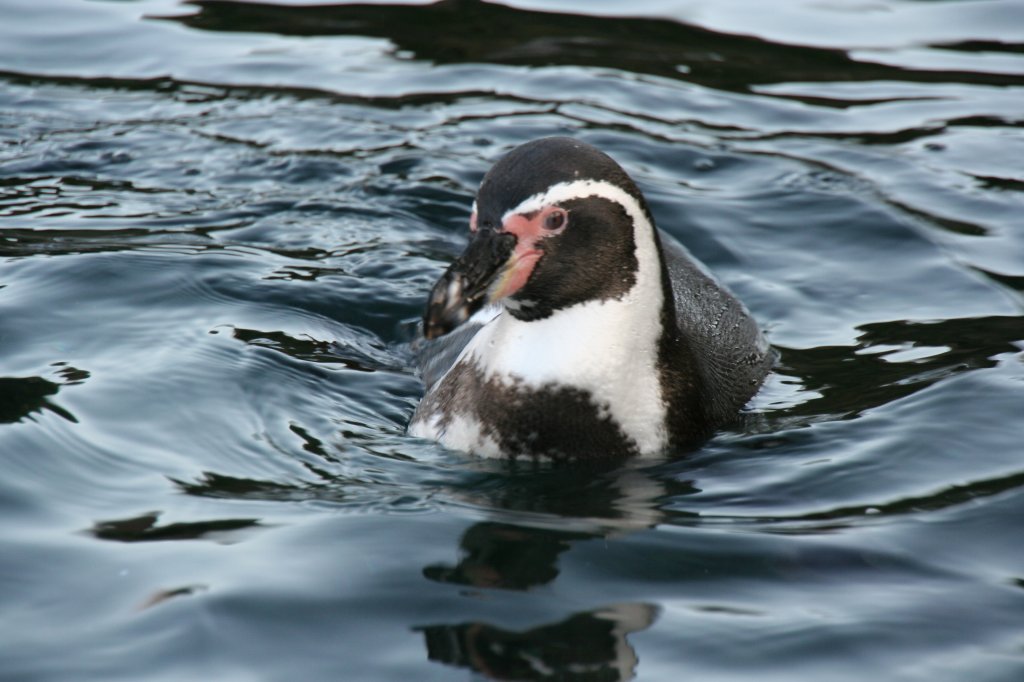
point(580, 330)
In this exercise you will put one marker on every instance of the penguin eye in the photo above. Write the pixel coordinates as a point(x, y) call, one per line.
point(555, 219)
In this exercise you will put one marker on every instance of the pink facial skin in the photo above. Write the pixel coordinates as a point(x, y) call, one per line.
point(530, 230)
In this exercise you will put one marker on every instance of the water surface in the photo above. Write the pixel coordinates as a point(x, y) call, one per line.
point(218, 224)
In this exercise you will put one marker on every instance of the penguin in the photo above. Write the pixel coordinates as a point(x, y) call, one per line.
point(572, 328)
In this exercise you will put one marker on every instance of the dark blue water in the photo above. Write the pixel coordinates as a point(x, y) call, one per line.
point(218, 225)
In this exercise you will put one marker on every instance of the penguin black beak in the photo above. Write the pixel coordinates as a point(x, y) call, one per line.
point(466, 285)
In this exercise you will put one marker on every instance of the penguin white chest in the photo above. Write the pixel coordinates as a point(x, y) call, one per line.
point(590, 349)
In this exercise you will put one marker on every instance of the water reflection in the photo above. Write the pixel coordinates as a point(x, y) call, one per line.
point(20, 397)
point(144, 528)
point(591, 645)
point(839, 518)
point(314, 350)
point(540, 513)
point(220, 486)
point(597, 498)
point(895, 359)
point(454, 31)
point(160, 596)
point(507, 556)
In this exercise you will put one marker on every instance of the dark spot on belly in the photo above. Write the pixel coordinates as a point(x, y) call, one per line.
point(552, 421)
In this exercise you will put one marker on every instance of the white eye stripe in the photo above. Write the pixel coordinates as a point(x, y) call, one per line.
point(579, 189)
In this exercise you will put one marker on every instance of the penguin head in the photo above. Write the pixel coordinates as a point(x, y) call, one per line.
point(554, 224)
